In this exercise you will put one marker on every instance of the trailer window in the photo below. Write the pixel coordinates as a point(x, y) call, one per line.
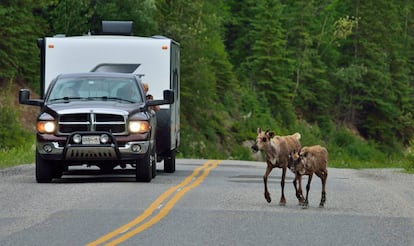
point(116, 68)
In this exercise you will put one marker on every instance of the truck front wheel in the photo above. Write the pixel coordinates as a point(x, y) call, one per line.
point(153, 160)
point(143, 170)
point(44, 170)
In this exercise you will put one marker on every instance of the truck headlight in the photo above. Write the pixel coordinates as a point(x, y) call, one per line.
point(46, 126)
point(139, 126)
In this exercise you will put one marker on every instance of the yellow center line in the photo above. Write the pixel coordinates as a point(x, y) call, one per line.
point(180, 190)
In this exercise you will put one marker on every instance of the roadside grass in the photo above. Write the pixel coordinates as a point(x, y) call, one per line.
point(409, 164)
point(340, 157)
point(24, 154)
point(358, 164)
point(369, 158)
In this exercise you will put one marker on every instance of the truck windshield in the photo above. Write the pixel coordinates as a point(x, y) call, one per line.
point(95, 88)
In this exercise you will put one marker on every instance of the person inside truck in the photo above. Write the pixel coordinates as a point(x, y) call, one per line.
point(70, 92)
point(149, 96)
point(127, 92)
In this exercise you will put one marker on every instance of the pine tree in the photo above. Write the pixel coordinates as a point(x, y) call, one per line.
point(209, 91)
point(312, 91)
point(21, 26)
point(268, 66)
point(385, 94)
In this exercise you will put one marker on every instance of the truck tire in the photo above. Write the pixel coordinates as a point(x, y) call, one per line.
point(169, 162)
point(154, 162)
point(44, 170)
point(143, 169)
point(58, 171)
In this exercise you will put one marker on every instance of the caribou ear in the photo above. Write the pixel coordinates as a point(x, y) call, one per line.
point(271, 134)
point(259, 130)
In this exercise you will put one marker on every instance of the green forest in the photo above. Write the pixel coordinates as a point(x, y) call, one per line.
point(340, 72)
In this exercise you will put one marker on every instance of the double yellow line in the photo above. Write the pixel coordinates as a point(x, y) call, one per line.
point(134, 227)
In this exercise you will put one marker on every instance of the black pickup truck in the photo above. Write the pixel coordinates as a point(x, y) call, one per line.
point(99, 119)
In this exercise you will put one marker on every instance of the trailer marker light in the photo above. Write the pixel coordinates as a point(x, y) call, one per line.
point(164, 47)
point(51, 46)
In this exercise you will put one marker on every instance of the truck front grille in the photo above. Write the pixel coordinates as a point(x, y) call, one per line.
point(68, 123)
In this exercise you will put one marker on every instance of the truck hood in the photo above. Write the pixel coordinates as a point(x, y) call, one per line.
point(109, 107)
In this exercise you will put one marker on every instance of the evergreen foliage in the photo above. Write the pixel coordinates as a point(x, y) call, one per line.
point(322, 68)
point(21, 25)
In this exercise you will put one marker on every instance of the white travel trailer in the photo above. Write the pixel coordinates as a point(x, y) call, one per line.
point(156, 60)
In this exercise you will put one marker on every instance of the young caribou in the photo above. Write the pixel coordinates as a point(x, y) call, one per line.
point(308, 161)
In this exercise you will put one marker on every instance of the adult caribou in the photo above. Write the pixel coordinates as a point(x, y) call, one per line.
point(277, 150)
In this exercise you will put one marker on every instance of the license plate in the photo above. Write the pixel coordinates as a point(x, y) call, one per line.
point(90, 139)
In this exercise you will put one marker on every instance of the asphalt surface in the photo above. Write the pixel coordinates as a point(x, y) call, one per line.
point(205, 204)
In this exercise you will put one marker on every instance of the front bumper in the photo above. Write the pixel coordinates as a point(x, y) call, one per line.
point(59, 148)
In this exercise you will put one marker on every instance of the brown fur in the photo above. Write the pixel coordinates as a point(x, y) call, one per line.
point(277, 150)
point(308, 161)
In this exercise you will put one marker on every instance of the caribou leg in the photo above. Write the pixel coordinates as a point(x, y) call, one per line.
point(299, 194)
point(306, 204)
point(266, 192)
point(324, 176)
point(282, 184)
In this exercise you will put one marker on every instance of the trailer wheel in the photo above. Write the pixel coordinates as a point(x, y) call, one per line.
point(143, 170)
point(169, 162)
point(44, 170)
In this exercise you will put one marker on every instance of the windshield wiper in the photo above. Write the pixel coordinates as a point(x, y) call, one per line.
point(104, 98)
point(64, 98)
point(111, 98)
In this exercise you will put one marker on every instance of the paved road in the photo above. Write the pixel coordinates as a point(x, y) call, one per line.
point(204, 203)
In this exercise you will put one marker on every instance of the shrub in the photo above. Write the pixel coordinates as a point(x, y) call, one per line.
point(409, 165)
point(11, 133)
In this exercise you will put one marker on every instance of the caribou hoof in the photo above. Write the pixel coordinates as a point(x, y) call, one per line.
point(321, 205)
point(267, 196)
point(282, 202)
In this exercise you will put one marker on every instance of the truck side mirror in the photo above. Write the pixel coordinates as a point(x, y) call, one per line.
point(168, 99)
point(24, 98)
point(24, 95)
point(169, 96)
